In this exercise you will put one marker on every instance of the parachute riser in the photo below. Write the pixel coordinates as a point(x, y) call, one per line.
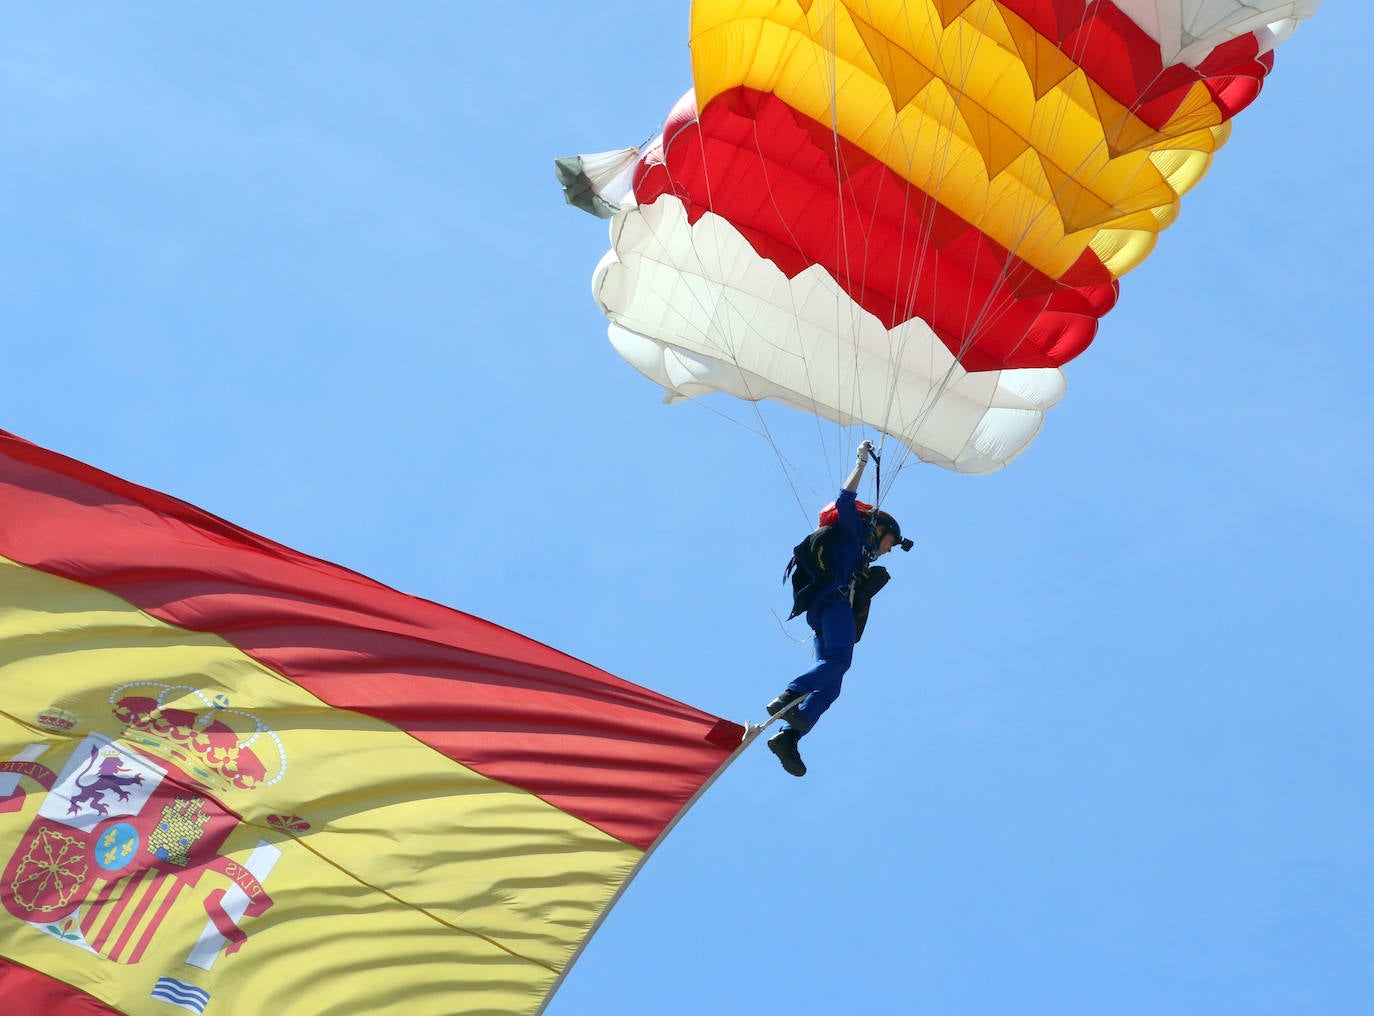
point(904, 544)
point(877, 494)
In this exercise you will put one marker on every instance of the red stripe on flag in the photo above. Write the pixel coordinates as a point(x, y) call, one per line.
point(163, 909)
point(27, 991)
point(103, 913)
point(104, 917)
point(616, 755)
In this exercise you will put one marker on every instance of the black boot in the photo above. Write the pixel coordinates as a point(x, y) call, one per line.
point(783, 744)
point(784, 701)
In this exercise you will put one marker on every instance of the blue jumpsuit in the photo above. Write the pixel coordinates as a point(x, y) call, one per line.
point(831, 617)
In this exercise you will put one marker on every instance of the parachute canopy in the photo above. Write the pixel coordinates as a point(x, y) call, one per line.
point(214, 747)
point(910, 214)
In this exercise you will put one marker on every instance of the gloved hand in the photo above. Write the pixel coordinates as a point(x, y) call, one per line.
point(865, 450)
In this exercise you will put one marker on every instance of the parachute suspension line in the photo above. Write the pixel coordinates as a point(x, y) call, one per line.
point(977, 318)
point(913, 418)
point(899, 337)
point(796, 315)
point(916, 245)
point(845, 407)
point(1028, 215)
point(852, 406)
point(1027, 212)
point(728, 343)
point(854, 409)
point(1082, 44)
point(826, 67)
point(828, 70)
point(974, 318)
point(722, 325)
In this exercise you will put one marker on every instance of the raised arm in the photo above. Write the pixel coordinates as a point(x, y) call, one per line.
point(852, 484)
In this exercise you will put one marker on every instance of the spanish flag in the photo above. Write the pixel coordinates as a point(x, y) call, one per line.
point(235, 778)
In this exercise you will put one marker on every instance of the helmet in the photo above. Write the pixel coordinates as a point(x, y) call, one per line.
point(882, 518)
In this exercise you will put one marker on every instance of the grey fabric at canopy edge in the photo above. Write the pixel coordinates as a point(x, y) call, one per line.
point(600, 183)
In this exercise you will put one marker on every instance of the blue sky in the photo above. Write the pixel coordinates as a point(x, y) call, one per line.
point(1106, 745)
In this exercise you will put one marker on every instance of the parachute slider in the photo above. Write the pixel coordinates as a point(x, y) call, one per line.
point(600, 183)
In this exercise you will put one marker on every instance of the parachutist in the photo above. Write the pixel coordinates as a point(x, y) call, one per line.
point(833, 582)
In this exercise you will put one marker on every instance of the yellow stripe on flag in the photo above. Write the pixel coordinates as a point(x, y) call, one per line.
point(398, 879)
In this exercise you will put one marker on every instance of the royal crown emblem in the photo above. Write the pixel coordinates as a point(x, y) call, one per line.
point(204, 735)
